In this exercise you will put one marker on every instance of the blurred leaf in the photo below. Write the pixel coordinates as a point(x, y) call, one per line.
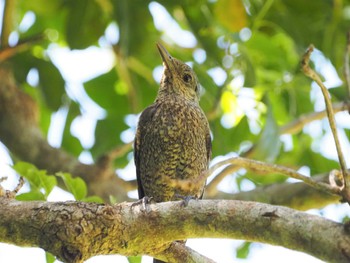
point(268, 146)
point(42, 7)
point(38, 179)
point(86, 23)
point(276, 52)
point(340, 93)
point(69, 142)
point(51, 83)
point(200, 20)
point(49, 257)
point(107, 136)
point(76, 186)
point(33, 195)
point(243, 250)
point(231, 13)
point(110, 94)
point(136, 259)
point(229, 140)
point(130, 15)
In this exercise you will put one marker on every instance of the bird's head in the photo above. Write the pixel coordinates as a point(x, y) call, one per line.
point(178, 78)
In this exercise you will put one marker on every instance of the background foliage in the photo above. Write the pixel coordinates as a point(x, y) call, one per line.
point(246, 54)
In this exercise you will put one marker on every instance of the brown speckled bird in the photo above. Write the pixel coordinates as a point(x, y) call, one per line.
point(173, 136)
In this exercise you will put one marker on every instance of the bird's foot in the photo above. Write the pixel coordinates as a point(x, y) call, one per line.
point(144, 202)
point(185, 199)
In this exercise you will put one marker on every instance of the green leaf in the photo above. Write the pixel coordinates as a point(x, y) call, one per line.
point(49, 257)
point(229, 140)
point(70, 143)
point(38, 179)
point(76, 186)
point(269, 145)
point(243, 250)
point(109, 92)
point(85, 23)
point(31, 196)
point(136, 259)
point(51, 83)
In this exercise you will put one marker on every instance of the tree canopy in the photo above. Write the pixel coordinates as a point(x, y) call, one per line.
point(259, 102)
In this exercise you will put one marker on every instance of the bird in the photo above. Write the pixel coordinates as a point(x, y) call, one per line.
point(172, 141)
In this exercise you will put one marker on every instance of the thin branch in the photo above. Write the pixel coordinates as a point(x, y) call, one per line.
point(23, 45)
point(347, 66)
point(298, 124)
point(293, 127)
point(7, 22)
point(105, 161)
point(8, 193)
point(298, 195)
point(178, 252)
point(314, 76)
point(261, 167)
point(273, 168)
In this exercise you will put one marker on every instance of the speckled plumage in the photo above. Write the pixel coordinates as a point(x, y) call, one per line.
point(173, 136)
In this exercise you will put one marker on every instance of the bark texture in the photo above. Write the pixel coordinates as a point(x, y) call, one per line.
point(76, 231)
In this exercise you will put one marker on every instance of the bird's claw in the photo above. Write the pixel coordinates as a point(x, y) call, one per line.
point(185, 199)
point(144, 202)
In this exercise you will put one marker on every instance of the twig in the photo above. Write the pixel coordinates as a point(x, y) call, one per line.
point(346, 65)
point(7, 23)
point(291, 128)
point(23, 45)
point(296, 125)
point(330, 114)
point(273, 168)
point(19, 186)
point(3, 179)
point(11, 194)
point(178, 252)
point(266, 168)
point(105, 160)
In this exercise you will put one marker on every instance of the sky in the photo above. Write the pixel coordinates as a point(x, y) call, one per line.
point(80, 66)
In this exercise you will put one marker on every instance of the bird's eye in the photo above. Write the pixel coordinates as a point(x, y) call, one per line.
point(187, 78)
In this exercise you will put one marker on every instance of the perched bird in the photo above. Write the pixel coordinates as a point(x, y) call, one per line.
point(173, 136)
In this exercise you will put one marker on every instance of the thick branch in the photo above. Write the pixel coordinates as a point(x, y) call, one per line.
point(75, 231)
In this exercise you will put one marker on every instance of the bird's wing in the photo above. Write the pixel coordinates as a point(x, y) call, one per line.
point(143, 125)
point(208, 144)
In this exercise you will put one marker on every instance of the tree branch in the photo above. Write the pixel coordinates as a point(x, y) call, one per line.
point(293, 127)
point(76, 231)
point(298, 196)
point(7, 22)
point(240, 162)
point(347, 65)
point(309, 72)
point(298, 124)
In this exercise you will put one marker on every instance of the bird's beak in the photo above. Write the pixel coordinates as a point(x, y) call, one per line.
point(166, 57)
